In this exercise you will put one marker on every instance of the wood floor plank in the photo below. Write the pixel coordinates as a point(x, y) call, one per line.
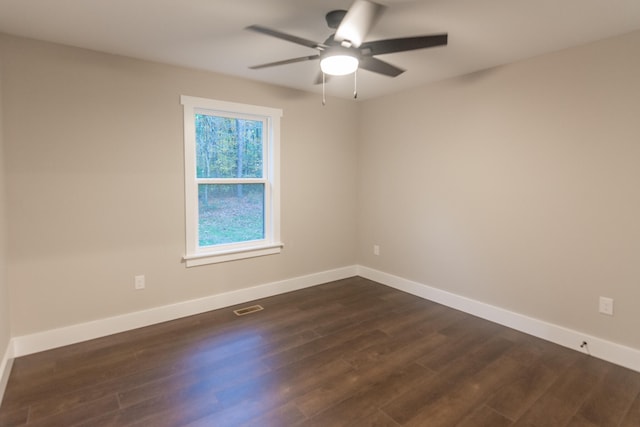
point(426, 319)
point(413, 405)
point(348, 338)
point(223, 376)
point(362, 310)
point(463, 337)
point(11, 418)
point(515, 397)
point(254, 413)
point(285, 415)
point(347, 353)
point(228, 371)
point(379, 419)
point(612, 398)
point(172, 408)
point(558, 405)
point(532, 351)
point(485, 417)
point(79, 413)
point(578, 421)
point(286, 383)
point(463, 398)
point(55, 403)
point(401, 349)
point(632, 417)
point(365, 401)
point(352, 383)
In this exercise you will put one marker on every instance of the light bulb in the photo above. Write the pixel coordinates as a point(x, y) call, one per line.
point(339, 65)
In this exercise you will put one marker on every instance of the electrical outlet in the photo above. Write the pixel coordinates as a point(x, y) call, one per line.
point(606, 306)
point(376, 250)
point(138, 282)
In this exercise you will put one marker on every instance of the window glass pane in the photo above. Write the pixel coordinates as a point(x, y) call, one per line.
point(230, 213)
point(228, 147)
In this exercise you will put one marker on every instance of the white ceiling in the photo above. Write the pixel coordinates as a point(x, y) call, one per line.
point(210, 35)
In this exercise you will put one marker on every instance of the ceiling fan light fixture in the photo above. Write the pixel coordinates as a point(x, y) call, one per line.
point(344, 52)
point(339, 64)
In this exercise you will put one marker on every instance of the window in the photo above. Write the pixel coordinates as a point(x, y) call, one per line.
point(232, 189)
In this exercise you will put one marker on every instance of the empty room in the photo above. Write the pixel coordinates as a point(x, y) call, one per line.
point(320, 213)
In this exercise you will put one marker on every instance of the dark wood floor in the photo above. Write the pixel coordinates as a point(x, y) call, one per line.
point(348, 353)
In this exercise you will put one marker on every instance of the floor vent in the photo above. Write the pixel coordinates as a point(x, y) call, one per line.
point(248, 310)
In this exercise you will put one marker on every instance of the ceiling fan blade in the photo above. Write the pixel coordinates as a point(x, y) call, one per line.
point(287, 37)
point(380, 67)
point(286, 61)
point(358, 21)
point(380, 47)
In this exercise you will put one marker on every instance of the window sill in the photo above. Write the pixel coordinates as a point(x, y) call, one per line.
point(232, 254)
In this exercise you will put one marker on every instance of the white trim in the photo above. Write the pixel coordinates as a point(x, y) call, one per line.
point(270, 117)
point(46, 340)
point(232, 254)
point(598, 347)
point(5, 368)
point(229, 107)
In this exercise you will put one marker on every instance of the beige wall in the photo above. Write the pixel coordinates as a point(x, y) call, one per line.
point(5, 331)
point(517, 186)
point(93, 144)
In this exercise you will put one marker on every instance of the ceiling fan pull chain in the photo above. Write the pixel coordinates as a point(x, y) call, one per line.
point(355, 84)
point(324, 99)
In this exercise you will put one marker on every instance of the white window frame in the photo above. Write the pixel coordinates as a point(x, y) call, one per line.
point(271, 244)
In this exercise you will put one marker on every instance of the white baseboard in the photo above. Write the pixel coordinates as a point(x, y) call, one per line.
point(46, 340)
point(598, 347)
point(5, 368)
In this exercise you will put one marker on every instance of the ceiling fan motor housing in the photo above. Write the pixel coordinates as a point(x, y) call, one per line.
point(334, 18)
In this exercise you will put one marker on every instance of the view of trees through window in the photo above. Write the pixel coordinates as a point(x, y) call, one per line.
point(229, 152)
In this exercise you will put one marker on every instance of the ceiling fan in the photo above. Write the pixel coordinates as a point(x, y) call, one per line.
point(346, 51)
